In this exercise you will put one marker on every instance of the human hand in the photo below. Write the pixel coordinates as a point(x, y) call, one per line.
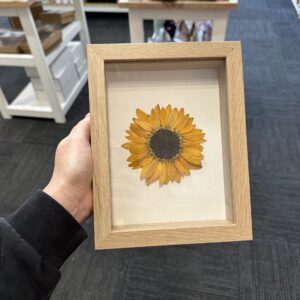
point(71, 182)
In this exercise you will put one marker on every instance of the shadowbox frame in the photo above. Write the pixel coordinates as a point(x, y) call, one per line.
point(238, 223)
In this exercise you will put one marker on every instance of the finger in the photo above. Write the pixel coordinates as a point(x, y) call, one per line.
point(83, 128)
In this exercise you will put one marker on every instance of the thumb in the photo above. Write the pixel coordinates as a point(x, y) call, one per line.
point(83, 128)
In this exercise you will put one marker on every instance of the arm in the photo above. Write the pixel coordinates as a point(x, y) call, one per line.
point(40, 235)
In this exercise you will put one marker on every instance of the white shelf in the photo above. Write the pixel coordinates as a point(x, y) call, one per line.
point(68, 34)
point(104, 7)
point(72, 97)
point(26, 60)
point(16, 60)
point(27, 105)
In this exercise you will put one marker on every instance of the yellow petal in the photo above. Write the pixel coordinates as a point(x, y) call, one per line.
point(144, 162)
point(135, 164)
point(172, 117)
point(187, 129)
point(157, 108)
point(177, 176)
point(148, 170)
point(138, 148)
point(144, 125)
point(138, 156)
point(169, 109)
point(155, 175)
point(138, 131)
point(135, 138)
point(194, 144)
point(192, 151)
point(155, 118)
point(141, 162)
point(189, 165)
point(196, 134)
point(180, 116)
point(181, 168)
point(163, 117)
point(171, 170)
point(163, 173)
point(195, 160)
point(182, 124)
point(142, 115)
point(127, 145)
point(189, 126)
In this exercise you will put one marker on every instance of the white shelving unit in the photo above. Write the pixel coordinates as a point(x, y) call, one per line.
point(26, 104)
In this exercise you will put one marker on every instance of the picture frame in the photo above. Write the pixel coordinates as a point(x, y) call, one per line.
point(118, 73)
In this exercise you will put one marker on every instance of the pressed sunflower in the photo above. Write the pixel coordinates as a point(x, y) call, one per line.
point(164, 144)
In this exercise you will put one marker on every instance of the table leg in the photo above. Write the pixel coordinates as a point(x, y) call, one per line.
point(3, 106)
point(220, 26)
point(136, 26)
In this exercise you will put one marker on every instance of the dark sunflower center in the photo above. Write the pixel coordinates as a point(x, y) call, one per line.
point(165, 144)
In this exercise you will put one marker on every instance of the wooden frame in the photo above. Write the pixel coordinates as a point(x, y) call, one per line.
point(237, 225)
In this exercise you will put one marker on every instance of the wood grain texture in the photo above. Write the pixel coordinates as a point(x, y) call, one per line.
point(200, 5)
point(16, 3)
point(99, 129)
point(107, 236)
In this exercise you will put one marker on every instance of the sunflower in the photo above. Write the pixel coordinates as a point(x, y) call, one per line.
point(164, 144)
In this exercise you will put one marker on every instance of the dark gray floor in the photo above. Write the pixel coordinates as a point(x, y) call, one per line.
point(268, 267)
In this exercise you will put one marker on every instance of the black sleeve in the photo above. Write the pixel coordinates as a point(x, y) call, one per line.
point(34, 242)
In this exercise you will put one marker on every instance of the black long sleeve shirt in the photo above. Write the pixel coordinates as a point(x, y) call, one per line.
point(34, 242)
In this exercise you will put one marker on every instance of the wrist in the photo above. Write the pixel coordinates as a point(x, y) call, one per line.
point(69, 199)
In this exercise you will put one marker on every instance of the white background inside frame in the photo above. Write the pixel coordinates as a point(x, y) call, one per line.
point(200, 196)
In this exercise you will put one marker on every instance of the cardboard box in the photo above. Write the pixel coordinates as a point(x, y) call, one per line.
point(36, 9)
point(49, 39)
point(81, 66)
point(58, 16)
point(64, 83)
point(77, 51)
point(10, 41)
point(78, 56)
point(57, 67)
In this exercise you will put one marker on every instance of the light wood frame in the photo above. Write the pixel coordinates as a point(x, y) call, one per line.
point(238, 225)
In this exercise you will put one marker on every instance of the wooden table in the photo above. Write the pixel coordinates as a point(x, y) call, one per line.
point(140, 10)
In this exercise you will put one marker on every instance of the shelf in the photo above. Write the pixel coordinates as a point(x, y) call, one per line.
point(68, 34)
point(26, 60)
point(104, 7)
point(27, 105)
point(16, 60)
point(77, 89)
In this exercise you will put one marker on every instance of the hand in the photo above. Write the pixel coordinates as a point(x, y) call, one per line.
point(71, 182)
